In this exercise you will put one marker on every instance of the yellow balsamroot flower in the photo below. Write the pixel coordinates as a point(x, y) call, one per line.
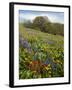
point(34, 71)
point(46, 68)
point(49, 65)
point(49, 72)
point(49, 68)
point(58, 61)
point(30, 62)
point(26, 58)
point(54, 61)
point(61, 63)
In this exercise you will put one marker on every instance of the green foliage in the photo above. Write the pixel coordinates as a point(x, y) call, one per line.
point(43, 55)
point(28, 24)
point(42, 23)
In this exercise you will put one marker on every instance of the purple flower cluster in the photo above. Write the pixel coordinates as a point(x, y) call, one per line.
point(24, 43)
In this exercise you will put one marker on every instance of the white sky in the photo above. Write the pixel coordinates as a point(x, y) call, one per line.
point(30, 15)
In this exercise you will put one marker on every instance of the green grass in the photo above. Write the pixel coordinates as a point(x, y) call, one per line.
point(44, 47)
point(31, 33)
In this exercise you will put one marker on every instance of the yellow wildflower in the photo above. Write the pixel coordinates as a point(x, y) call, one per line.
point(49, 65)
point(46, 68)
point(49, 72)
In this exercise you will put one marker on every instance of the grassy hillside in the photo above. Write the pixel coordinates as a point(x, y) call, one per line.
point(43, 24)
point(41, 55)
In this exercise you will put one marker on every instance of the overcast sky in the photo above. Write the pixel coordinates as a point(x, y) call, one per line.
point(57, 17)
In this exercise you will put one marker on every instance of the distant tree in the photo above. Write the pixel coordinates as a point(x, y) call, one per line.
point(58, 28)
point(28, 24)
point(41, 22)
